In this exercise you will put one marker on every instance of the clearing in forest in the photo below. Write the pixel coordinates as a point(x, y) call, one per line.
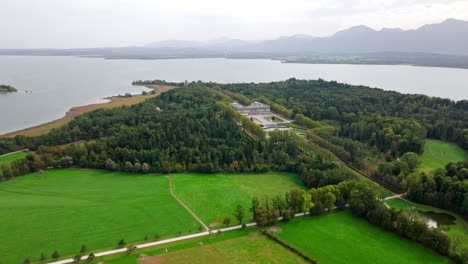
point(437, 154)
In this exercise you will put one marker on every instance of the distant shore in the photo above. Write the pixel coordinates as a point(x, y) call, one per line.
point(7, 89)
point(114, 101)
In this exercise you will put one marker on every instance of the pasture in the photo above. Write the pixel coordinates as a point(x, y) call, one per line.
point(9, 158)
point(214, 196)
point(437, 154)
point(65, 208)
point(239, 246)
point(339, 237)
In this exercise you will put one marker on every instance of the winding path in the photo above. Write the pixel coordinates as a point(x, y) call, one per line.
point(171, 189)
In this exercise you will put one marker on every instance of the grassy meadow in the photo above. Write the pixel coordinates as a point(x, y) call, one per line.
point(437, 154)
point(9, 158)
point(63, 209)
point(214, 196)
point(239, 246)
point(339, 237)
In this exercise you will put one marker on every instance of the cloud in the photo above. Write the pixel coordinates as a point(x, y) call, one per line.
point(92, 23)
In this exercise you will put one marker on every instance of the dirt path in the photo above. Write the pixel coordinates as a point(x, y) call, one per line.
point(395, 196)
point(171, 189)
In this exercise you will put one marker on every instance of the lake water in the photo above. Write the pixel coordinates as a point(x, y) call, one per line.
point(59, 83)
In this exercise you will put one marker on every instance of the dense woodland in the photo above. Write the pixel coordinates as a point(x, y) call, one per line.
point(381, 133)
point(194, 130)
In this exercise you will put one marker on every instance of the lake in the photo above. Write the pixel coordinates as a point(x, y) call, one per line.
point(59, 83)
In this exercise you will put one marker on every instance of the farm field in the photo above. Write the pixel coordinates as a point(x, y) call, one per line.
point(437, 154)
point(339, 237)
point(460, 227)
point(65, 208)
point(9, 158)
point(239, 246)
point(214, 196)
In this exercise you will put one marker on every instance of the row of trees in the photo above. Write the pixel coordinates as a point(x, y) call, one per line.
point(268, 210)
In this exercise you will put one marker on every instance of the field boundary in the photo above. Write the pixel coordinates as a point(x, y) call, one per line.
point(14, 152)
point(288, 246)
point(171, 190)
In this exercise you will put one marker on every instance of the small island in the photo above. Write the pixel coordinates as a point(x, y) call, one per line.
point(7, 89)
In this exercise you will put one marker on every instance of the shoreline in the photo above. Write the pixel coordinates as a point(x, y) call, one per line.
point(114, 101)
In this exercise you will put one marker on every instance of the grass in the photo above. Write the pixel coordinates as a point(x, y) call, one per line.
point(294, 125)
point(339, 237)
point(9, 158)
point(63, 209)
point(214, 196)
point(460, 227)
point(437, 154)
point(240, 246)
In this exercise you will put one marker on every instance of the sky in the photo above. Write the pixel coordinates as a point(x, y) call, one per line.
point(117, 23)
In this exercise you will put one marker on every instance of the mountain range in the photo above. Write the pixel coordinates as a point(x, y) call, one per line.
point(447, 37)
point(443, 44)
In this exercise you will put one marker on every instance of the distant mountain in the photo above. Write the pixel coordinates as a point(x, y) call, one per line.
point(448, 37)
point(443, 44)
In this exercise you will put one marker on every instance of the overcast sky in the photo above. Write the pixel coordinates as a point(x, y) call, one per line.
point(101, 23)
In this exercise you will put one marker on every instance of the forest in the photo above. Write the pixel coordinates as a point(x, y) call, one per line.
point(380, 133)
point(193, 131)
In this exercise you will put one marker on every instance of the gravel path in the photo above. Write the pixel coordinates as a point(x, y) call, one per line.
point(171, 189)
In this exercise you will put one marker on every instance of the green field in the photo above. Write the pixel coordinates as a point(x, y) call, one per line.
point(63, 209)
point(240, 246)
point(339, 237)
point(214, 196)
point(7, 159)
point(437, 154)
point(460, 227)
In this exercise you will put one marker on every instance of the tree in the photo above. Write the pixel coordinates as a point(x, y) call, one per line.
point(110, 164)
point(83, 249)
point(91, 256)
point(55, 255)
point(42, 258)
point(76, 258)
point(279, 204)
point(239, 213)
point(226, 221)
point(121, 243)
point(412, 159)
point(255, 205)
point(128, 166)
point(261, 216)
point(145, 168)
point(137, 167)
point(26, 261)
point(295, 202)
point(306, 204)
point(130, 249)
point(66, 162)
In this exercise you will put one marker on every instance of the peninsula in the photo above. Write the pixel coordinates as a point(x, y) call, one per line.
point(7, 89)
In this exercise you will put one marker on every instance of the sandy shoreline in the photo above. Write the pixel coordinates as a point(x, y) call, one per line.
point(114, 101)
